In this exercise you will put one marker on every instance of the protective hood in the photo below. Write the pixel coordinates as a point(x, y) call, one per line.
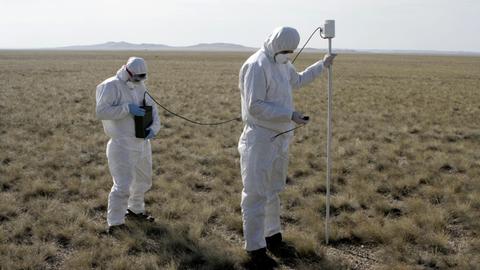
point(122, 74)
point(136, 65)
point(282, 39)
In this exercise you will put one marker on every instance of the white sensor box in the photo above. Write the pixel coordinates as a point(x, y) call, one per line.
point(329, 29)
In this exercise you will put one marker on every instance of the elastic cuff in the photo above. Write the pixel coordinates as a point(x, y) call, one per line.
point(115, 223)
point(249, 249)
point(274, 233)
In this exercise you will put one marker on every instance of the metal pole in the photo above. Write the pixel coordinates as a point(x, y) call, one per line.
point(329, 143)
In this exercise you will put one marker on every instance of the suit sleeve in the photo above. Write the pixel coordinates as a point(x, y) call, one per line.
point(255, 91)
point(305, 77)
point(105, 107)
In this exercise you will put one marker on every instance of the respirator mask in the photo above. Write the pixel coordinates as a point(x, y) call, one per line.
point(282, 57)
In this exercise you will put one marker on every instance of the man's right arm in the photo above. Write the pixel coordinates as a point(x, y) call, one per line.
point(105, 109)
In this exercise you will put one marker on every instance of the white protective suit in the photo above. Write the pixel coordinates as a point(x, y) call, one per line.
point(267, 107)
point(129, 158)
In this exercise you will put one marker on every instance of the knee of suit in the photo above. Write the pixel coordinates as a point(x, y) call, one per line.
point(253, 203)
point(120, 191)
point(142, 186)
point(272, 197)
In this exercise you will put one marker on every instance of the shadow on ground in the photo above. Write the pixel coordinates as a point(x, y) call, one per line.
point(188, 253)
point(311, 260)
point(174, 243)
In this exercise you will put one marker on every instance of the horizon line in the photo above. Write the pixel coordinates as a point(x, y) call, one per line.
point(214, 44)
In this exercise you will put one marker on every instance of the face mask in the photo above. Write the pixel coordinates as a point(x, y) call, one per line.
point(130, 84)
point(137, 82)
point(281, 58)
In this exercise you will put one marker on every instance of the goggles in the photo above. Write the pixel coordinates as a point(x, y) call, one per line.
point(137, 77)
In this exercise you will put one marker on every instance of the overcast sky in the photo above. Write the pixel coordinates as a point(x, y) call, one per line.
point(452, 25)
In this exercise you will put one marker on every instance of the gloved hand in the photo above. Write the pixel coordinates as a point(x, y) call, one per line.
point(150, 135)
point(135, 110)
point(299, 118)
point(328, 59)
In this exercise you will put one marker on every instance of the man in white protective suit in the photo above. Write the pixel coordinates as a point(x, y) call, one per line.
point(266, 81)
point(129, 158)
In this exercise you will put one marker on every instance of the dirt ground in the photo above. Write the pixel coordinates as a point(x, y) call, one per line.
point(406, 165)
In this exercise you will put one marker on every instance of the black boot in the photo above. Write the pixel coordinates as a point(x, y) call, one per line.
point(139, 217)
point(279, 248)
point(260, 260)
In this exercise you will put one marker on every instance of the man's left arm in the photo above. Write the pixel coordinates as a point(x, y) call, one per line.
point(301, 79)
point(298, 80)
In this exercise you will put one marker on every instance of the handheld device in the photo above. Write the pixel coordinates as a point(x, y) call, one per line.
point(142, 123)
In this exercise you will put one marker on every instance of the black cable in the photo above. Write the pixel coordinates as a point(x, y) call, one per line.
point(281, 133)
point(298, 53)
point(189, 120)
point(237, 118)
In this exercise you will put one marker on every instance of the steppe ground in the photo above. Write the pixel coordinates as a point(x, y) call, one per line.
point(406, 166)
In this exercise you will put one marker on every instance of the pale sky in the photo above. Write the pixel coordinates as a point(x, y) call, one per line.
point(452, 25)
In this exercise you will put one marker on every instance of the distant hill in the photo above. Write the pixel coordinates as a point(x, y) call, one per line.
point(219, 47)
point(230, 47)
point(125, 46)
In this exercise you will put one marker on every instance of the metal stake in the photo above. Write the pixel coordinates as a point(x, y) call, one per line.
point(329, 143)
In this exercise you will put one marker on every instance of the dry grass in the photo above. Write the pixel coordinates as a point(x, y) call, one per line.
point(406, 193)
